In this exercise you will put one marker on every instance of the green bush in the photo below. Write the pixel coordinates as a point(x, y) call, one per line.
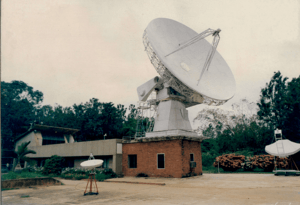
point(75, 171)
point(78, 174)
point(211, 169)
point(110, 173)
point(79, 177)
point(101, 177)
point(28, 169)
point(53, 165)
point(81, 173)
point(67, 176)
point(105, 174)
point(208, 159)
point(74, 176)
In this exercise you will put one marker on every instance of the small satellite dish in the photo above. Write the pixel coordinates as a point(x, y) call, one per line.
point(283, 148)
point(91, 162)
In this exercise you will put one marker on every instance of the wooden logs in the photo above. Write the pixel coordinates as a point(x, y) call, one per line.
point(233, 162)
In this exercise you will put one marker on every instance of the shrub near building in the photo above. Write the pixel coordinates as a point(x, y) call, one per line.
point(82, 173)
point(54, 165)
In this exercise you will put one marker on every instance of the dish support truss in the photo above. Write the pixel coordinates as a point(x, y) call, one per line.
point(145, 117)
point(279, 144)
point(280, 150)
point(176, 84)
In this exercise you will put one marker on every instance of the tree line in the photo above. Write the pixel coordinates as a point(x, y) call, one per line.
point(21, 106)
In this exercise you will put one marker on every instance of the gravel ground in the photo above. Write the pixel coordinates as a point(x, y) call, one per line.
point(210, 189)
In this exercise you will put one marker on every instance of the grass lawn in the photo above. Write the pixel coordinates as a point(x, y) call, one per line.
point(239, 171)
point(22, 175)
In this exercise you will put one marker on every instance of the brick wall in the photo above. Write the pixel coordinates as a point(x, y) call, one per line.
point(177, 158)
point(191, 147)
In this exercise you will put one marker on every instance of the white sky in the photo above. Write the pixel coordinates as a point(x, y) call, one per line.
point(75, 50)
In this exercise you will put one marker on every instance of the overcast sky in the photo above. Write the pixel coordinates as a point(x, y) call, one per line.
point(74, 50)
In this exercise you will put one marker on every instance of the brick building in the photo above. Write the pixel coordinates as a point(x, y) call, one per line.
point(176, 156)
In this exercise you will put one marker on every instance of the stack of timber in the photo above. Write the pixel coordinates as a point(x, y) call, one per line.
point(232, 162)
point(229, 162)
point(266, 162)
point(248, 165)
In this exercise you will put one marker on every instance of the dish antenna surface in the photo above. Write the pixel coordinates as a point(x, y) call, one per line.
point(283, 148)
point(191, 72)
point(91, 163)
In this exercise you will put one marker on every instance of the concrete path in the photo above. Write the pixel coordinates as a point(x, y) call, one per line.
point(210, 189)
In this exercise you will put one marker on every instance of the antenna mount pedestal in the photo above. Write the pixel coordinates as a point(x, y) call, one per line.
point(91, 179)
point(172, 117)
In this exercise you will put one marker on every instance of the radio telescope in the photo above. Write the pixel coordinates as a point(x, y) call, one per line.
point(191, 72)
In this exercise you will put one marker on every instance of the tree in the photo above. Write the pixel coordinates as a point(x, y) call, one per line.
point(96, 120)
point(100, 120)
point(91, 123)
point(19, 103)
point(21, 106)
point(58, 116)
point(279, 106)
point(129, 126)
point(273, 102)
point(216, 119)
point(235, 130)
point(23, 150)
point(292, 123)
point(112, 120)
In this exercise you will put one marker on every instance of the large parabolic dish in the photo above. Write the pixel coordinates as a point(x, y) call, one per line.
point(181, 70)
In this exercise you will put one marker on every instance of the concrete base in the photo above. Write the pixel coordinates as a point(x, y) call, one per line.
point(168, 133)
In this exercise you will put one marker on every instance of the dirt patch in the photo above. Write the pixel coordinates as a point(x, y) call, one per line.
point(162, 184)
point(209, 189)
